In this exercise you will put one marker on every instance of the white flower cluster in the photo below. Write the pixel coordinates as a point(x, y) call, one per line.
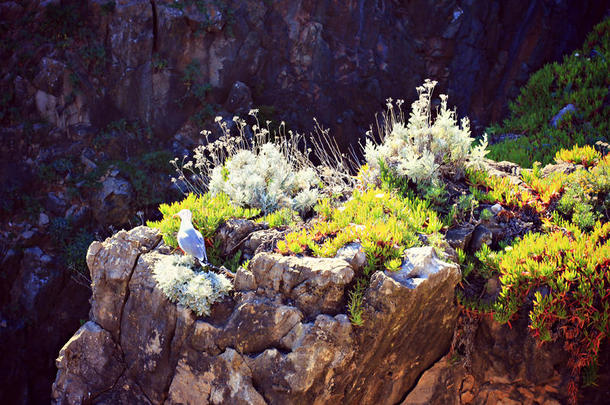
point(265, 180)
point(195, 290)
point(425, 146)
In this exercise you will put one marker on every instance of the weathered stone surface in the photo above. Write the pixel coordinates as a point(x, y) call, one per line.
point(30, 327)
point(425, 334)
point(233, 233)
point(43, 219)
point(561, 167)
point(125, 392)
point(559, 116)
point(36, 283)
point(353, 253)
point(419, 264)
point(203, 379)
point(149, 340)
point(504, 169)
point(334, 60)
point(436, 386)
point(496, 209)
point(261, 241)
point(480, 236)
point(315, 285)
point(337, 58)
point(508, 366)
point(239, 100)
point(283, 337)
point(88, 364)
point(258, 323)
point(244, 280)
point(459, 237)
point(111, 264)
point(312, 372)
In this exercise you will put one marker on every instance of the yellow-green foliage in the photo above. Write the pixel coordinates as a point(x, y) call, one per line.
point(585, 155)
point(582, 80)
point(383, 223)
point(208, 213)
point(281, 217)
point(546, 188)
point(494, 189)
point(583, 196)
point(587, 195)
point(567, 273)
point(354, 305)
point(562, 276)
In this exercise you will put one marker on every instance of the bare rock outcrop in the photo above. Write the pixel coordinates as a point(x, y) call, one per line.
point(283, 337)
point(507, 365)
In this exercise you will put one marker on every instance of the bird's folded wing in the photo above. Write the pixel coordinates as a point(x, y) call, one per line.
point(192, 242)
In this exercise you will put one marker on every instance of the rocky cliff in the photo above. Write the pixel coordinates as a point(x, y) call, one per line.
point(283, 337)
point(162, 61)
point(88, 87)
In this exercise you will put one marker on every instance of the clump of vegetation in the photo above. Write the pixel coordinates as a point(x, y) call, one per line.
point(196, 89)
point(492, 189)
point(138, 171)
point(267, 172)
point(75, 252)
point(208, 213)
point(72, 246)
point(265, 180)
point(585, 155)
point(384, 224)
point(559, 275)
point(587, 195)
point(581, 80)
point(281, 217)
point(564, 277)
point(259, 175)
point(558, 272)
point(182, 283)
point(423, 147)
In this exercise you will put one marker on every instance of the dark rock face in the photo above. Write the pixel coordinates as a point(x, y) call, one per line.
point(342, 59)
point(40, 303)
point(337, 61)
point(113, 202)
point(459, 237)
point(507, 366)
point(282, 338)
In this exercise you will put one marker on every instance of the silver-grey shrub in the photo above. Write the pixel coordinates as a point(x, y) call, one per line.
point(197, 290)
point(265, 179)
point(424, 147)
point(254, 168)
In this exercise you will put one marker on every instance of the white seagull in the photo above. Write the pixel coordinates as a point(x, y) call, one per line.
point(189, 239)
